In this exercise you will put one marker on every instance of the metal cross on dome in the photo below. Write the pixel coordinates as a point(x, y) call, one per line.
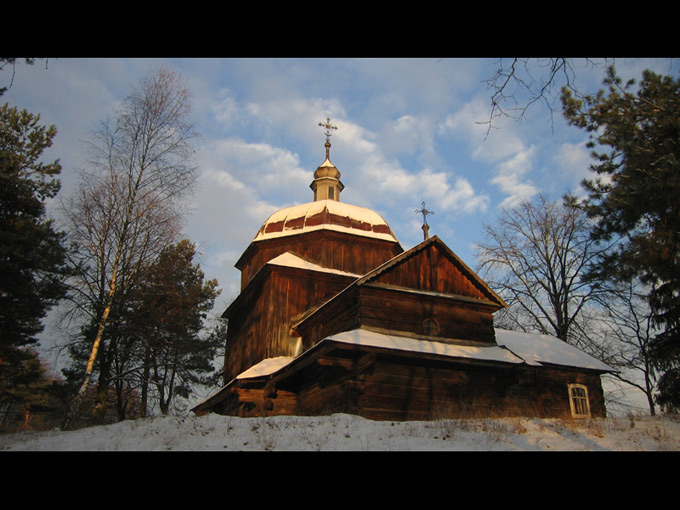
point(328, 128)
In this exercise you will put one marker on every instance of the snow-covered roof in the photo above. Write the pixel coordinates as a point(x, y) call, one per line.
point(289, 259)
point(325, 215)
point(266, 367)
point(537, 349)
point(369, 338)
point(513, 347)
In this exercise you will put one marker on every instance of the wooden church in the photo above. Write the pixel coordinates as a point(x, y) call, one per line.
point(334, 316)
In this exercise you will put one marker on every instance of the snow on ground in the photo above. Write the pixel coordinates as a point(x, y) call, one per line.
point(341, 432)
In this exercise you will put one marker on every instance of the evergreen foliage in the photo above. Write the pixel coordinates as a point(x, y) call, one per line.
point(30, 398)
point(171, 302)
point(31, 250)
point(635, 136)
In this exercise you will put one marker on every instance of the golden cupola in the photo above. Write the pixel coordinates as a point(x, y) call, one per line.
point(326, 184)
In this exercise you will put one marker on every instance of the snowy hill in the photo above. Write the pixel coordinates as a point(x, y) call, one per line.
point(342, 432)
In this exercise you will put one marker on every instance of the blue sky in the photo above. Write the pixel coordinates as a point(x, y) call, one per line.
point(409, 130)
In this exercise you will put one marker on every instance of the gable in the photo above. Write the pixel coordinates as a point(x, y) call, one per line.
point(425, 291)
point(433, 268)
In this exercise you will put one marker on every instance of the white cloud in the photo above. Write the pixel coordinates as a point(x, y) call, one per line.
point(409, 134)
point(447, 192)
point(466, 124)
point(225, 110)
point(294, 119)
point(503, 148)
point(463, 197)
point(222, 179)
point(262, 167)
point(356, 143)
point(511, 180)
point(379, 180)
point(573, 161)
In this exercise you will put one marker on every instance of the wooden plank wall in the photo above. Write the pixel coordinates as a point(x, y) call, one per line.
point(398, 391)
point(390, 309)
point(261, 328)
point(335, 250)
point(432, 270)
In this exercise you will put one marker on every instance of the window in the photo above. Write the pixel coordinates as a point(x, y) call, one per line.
point(331, 192)
point(578, 400)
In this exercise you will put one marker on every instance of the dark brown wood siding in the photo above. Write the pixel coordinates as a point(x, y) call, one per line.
point(341, 314)
point(393, 389)
point(423, 314)
point(260, 323)
point(334, 250)
point(432, 270)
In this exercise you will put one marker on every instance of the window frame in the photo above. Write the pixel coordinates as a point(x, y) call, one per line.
point(579, 404)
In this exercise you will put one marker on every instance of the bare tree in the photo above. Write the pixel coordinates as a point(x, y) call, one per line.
point(519, 83)
point(128, 207)
point(535, 257)
point(623, 337)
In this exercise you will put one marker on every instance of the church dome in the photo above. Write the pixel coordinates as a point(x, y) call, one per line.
point(326, 215)
point(326, 212)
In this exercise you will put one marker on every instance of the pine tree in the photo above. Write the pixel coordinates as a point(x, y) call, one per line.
point(168, 308)
point(29, 395)
point(635, 136)
point(31, 250)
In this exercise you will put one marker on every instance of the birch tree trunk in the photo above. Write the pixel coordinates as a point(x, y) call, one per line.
point(129, 207)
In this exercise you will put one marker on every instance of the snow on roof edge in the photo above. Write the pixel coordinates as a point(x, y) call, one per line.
point(537, 349)
point(289, 259)
point(374, 339)
point(513, 347)
point(266, 367)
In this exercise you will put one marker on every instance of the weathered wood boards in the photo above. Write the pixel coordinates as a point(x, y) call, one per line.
point(387, 385)
point(300, 291)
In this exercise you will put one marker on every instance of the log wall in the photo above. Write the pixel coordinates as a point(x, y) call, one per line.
point(397, 391)
point(343, 252)
point(426, 315)
point(260, 325)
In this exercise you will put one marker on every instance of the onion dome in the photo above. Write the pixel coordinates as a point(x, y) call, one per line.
point(326, 215)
